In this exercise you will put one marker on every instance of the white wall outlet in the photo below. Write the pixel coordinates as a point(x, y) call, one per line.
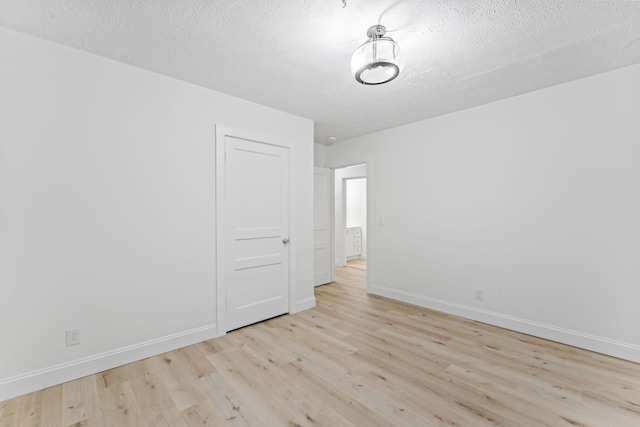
point(479, 294)
point(73, 337)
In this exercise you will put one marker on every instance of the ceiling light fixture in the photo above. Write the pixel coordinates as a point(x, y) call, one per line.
point(378, 60)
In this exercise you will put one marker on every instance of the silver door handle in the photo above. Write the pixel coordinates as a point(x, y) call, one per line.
point(285, 241)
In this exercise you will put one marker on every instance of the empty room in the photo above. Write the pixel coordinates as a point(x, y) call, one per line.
point(319, 213)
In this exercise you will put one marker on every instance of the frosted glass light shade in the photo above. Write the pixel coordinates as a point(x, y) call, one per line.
point(377, 61)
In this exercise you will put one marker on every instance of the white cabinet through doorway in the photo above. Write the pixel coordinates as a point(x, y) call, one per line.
point(353, 242)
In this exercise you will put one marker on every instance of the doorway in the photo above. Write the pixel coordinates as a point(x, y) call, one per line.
point(351, 217)
point(355, 244)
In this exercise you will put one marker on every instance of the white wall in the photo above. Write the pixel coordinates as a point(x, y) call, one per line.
point(534, 199)
point(356, 207)
point(319, 155)
point(107, 209)
point(341, 175)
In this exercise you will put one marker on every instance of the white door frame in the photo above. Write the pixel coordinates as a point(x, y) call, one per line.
point(340, 210)
point(372, 212)
point(220, 197)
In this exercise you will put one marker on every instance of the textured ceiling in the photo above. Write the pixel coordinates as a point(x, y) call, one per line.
point(295, 55)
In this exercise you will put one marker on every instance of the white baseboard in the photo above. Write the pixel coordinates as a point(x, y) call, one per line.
point(58, 374)
point(594, 343)
point(304, 304)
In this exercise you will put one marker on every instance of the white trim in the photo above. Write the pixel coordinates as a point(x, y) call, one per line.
point(58, 374)
point(221, 260)
point(303, 305)
point(372, 229)
point(332, 221)
point(590, 342)
point(293, 235)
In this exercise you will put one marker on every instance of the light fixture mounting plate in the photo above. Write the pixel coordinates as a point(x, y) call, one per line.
point(376, 31)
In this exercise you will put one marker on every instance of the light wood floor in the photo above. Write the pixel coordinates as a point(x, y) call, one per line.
point(358, 263)
point(354, 360)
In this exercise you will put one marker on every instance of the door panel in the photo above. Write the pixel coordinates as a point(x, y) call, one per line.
point(322, 207)
point(257, 223)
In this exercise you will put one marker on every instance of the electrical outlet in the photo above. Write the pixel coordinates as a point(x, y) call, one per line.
point(479, 294)
point(73, 337)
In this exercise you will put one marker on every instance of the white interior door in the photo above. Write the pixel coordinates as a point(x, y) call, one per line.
point(256, 228)
point(322, 213)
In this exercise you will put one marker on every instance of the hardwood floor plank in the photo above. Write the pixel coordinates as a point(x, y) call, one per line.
point(355, 412)
point(155, 407)
point(81, 402)
point(179, 377)
point(29, 406)
point(235, 409)
point(51, 407)
point(258, 392)
point(118, 405)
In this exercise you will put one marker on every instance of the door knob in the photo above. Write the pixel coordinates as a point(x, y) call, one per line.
point(285, 241)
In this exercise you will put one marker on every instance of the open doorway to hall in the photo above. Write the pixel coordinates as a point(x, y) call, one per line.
point(355, 243)
point(351, 217)
point(340, 221)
